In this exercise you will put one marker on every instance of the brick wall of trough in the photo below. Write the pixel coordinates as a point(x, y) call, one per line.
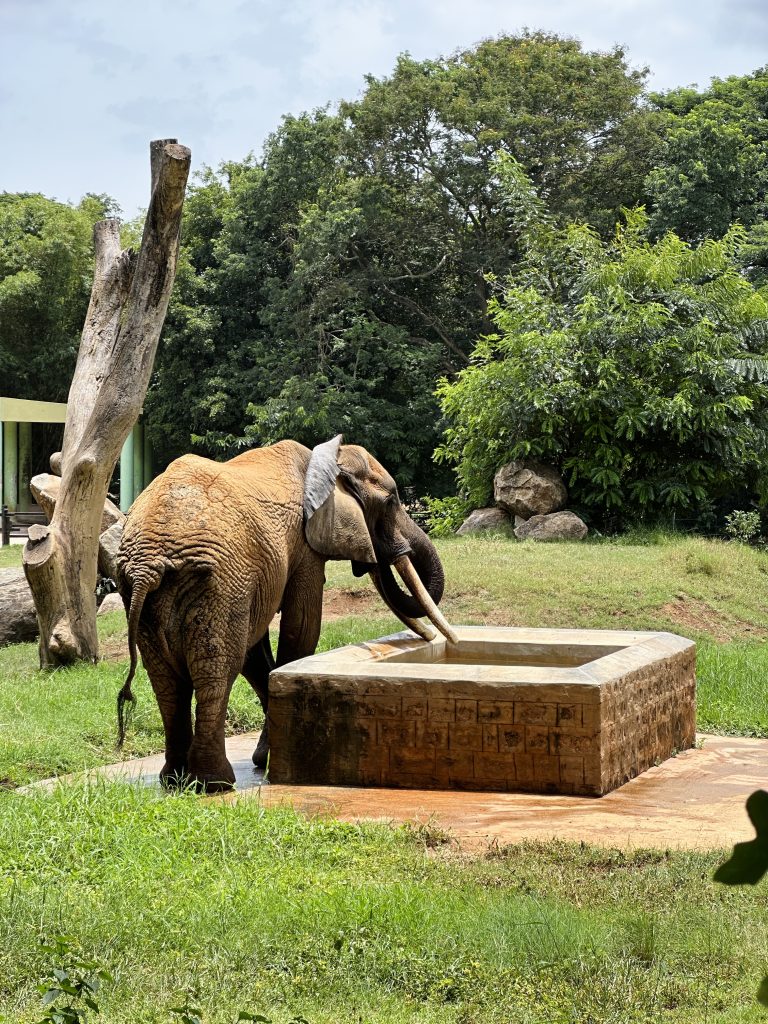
point(647, 716)
point(439, 735)
point(450, 741)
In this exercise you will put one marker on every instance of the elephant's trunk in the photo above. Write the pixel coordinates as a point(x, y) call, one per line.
point(426, 563)
point(413, 624)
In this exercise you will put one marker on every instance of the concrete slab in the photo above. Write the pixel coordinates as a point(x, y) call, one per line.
point(693, 801)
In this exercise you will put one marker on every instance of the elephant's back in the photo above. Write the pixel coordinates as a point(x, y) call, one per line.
point(178, 516)
point(200, 511)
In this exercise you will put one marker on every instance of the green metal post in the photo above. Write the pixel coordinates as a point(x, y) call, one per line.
point(126, 474)
point(138, 460)
point(10, 466)
point(25, 466)
point(148, 474)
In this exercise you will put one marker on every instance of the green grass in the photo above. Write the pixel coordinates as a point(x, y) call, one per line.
point(10, 556)
point(703, 588)
point(65, 721)
point(271, 913)
point(732, 693)
point(267, 912)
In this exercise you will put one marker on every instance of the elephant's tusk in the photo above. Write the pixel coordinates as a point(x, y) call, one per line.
point(418, 627)
point(419, 591)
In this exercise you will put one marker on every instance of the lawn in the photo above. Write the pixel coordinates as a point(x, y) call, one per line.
point(269, 913)
point(262, 911)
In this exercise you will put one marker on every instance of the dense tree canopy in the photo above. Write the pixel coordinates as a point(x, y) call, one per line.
point(638, 369)
point(46, 266)
point(712, 164)
point(330, 284)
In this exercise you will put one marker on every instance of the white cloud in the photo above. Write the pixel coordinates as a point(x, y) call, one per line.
point(89, 83)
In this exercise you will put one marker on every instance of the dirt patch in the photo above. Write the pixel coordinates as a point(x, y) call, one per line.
point(114, 648)
point(338, 604)
point(697, 616)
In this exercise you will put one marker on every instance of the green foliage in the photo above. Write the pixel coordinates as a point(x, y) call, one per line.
point(46, 266)
point(712, 163)
point(622, 363)
point(446, 515)
point(742, 526)
point(70, 989)
point(327, 286)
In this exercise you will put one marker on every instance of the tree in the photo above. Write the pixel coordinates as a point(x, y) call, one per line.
point(46, 262)
point(712, 166)
point(128, 304)
point(634, 367)
point(327, 286)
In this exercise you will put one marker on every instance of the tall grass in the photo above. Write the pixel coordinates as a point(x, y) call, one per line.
point(732, 695)
point(265, 911)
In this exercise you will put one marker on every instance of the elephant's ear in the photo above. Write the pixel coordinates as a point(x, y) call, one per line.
point(333, 521)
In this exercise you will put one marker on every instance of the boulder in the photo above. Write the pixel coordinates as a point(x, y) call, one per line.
point(529, 489)
point(111, 603)
point(484, 519)
point(18, 621)
point(109, 542)
point(556, 526)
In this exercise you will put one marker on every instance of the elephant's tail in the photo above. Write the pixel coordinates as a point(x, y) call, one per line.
point(140, 588)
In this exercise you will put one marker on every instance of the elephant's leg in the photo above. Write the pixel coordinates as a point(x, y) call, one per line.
point(173, 691)
point(215, 642)
point(258, 664)
point(208, 766)
point(302, 610)
point(300, 620)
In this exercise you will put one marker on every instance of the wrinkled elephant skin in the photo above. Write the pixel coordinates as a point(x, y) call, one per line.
point(211, 551)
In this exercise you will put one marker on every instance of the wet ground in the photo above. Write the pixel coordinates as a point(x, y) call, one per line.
point(692, 801)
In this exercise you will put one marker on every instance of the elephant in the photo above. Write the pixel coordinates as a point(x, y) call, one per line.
point(211, 551)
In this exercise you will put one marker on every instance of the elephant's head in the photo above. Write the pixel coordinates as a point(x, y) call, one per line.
point(352, 510)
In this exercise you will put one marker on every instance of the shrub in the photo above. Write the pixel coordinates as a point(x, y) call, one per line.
point(742, 526)
point(637, 369)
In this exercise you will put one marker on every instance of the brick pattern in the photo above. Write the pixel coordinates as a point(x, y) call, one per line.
point(434, 743)
point(648, 716)
point(330, 734)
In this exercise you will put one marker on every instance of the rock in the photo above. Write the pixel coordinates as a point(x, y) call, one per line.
point(484, 519)
point(111, 603)
point(529, 489)
point(109, 542)
point(18, 621)
point(556, 526)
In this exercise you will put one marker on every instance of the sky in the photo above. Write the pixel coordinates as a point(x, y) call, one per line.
point(86, 84)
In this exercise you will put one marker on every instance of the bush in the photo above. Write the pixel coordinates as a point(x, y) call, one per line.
point(742, 526)
point(637, 369)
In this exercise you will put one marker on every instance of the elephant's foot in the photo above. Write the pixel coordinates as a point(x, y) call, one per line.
point(211, 778)
point(261, 753)
point(215, 783)
point(174, 775)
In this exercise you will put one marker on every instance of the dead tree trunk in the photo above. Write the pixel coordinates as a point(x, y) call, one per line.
point(128, 304)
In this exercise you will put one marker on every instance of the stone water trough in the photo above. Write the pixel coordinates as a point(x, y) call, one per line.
point(538, 710)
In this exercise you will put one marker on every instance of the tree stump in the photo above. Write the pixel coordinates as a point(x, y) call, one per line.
point(128, 304)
